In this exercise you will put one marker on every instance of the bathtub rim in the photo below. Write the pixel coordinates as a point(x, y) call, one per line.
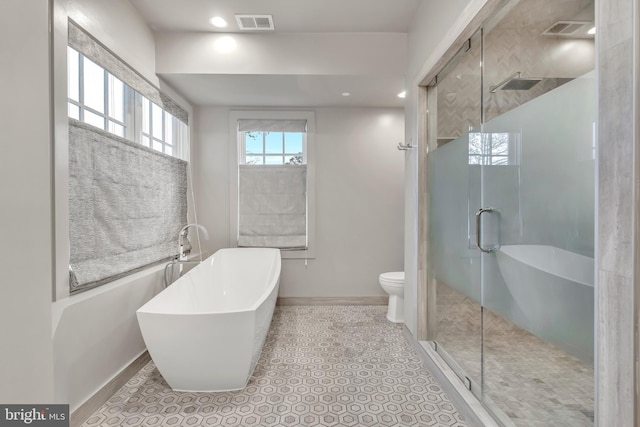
point(583, 258)
point(276, 267)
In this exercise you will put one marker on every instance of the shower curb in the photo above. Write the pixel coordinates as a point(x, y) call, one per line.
point(465, 402)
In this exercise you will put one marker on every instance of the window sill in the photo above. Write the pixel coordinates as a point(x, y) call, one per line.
point(297, 254)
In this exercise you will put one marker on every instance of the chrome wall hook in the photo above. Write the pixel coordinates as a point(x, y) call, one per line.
point(404, 147)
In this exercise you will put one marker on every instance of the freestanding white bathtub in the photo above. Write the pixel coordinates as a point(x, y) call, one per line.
point(554, 289)
point(205, 332)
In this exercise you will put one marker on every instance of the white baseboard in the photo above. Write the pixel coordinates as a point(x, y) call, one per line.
point(82, 414)
point(373, 300)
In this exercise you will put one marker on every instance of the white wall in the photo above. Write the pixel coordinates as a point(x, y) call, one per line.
point(118, 25)
point(95, 333)
point(435, 27)
point(359, 199)
point(26, 369)
point(282, 54)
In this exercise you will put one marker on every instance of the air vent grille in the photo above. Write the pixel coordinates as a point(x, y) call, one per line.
point(255, 22)
point(565, 28)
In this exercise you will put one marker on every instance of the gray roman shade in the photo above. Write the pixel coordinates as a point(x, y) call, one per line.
point(87, 45)
point(126, 205)
point(272, 206)
point(272, 125)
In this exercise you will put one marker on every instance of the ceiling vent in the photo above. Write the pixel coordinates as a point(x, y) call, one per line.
point(255, 22)
point(566, 28)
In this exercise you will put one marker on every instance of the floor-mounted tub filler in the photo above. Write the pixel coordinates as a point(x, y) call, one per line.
point(205, 332)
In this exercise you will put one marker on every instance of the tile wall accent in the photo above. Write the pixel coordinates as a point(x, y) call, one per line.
point(556, 60)
point(320, 366)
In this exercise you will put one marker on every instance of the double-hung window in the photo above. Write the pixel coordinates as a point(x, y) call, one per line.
point(128, 146)
point(274, 148)
point(274, 181)
point(98, 98)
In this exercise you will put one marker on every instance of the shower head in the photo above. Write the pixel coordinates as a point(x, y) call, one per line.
point(516, 82)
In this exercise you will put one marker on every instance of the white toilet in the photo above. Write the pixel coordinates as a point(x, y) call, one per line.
point(393, 284)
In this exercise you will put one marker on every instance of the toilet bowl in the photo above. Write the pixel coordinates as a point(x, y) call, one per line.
point(393, 284)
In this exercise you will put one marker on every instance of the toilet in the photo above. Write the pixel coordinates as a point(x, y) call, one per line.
point(393, 284)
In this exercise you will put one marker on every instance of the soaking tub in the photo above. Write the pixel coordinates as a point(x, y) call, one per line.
point(205, 332)
point(554, 289)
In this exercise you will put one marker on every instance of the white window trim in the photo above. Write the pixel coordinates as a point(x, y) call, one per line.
point(235, 153)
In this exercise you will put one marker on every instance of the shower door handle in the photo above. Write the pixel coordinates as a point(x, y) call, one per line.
point(479, 230)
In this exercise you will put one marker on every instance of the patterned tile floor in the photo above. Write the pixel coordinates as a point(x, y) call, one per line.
point(320, 366)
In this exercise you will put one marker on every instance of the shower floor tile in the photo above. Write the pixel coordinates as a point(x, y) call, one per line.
point(320, 366)
point(531, 381)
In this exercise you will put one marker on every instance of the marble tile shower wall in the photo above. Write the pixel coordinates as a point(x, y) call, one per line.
point(515, 44)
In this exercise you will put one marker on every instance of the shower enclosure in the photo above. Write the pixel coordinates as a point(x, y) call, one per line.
point(510, 178)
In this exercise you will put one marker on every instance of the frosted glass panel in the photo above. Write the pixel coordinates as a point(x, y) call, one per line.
point(549, 201)
point(455, 262)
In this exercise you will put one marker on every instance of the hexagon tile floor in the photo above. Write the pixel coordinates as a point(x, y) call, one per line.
point(320, 366)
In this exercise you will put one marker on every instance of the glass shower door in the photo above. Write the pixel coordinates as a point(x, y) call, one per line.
point(454, 264)
point(536, 171)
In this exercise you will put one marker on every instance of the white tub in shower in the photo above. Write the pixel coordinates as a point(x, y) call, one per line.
point(205, 332)
point(554, 289)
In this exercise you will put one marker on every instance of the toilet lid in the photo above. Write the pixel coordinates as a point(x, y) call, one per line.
point(393, 277)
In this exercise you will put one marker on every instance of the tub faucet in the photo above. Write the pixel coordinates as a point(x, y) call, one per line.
point(183, 235)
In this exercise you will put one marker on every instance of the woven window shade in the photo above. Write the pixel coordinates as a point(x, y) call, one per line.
point(273, 206)
point(127, 204)
point(87, 45)
point(272, 125)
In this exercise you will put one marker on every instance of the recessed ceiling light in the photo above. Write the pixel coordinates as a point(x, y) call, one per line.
point(218, 22)
point(346, 93)
point(402, 94)
point(592, 31)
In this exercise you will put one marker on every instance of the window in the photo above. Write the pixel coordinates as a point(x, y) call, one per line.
point(98, 98)
point(274, 148)
point(95, 96)
point(273, 173)
point(126, 201)
point(159, 128)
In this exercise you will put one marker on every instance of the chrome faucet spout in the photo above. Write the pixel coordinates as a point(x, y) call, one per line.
point(183, 235)
point(183, 230)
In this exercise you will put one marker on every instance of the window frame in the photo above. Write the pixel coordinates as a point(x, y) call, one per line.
point(173, 143)
point(83, 107)
point(242, 140)
point(236, 153)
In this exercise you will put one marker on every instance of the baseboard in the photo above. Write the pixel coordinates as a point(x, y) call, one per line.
point(373, 300)
point(82, 414)
point(465, 402)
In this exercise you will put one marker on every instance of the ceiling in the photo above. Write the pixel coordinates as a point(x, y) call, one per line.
point(292, 16)
point(289, 17)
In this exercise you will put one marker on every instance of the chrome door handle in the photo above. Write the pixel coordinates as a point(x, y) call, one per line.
point(479, 228)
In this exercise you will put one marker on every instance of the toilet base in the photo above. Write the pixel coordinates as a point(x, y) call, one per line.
point(395, 312)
